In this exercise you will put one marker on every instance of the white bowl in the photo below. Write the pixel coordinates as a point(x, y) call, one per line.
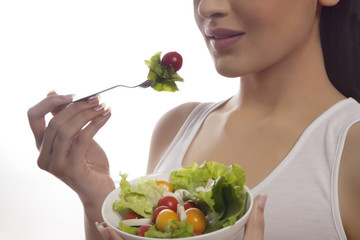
point(112, 218)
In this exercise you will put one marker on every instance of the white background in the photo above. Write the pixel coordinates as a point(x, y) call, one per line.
point(80, 47)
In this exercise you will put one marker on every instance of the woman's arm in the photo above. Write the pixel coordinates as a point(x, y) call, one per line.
point(67, 150)
point(349, 183)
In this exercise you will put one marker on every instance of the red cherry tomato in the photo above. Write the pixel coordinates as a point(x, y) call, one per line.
point(164, 217)
point(132, 215)
point(158, 210)
point(168, 201)
point(197, 219)
point(172, 59)
point(142, 230)
point(189, 204)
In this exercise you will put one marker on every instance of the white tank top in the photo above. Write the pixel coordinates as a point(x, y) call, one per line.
point(303, 189)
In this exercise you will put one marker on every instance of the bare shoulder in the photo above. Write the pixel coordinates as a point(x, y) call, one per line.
point(349, 183)
point(166, 130)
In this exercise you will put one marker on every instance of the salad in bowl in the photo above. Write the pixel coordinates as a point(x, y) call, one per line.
point(209, 201)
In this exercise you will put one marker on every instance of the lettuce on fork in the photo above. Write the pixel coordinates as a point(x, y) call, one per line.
point(164, 78)
point(224, 203)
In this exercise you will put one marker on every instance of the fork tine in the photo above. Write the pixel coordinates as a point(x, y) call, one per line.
point(147, 83)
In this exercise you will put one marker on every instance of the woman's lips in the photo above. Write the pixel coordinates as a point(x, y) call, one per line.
point(221, 38)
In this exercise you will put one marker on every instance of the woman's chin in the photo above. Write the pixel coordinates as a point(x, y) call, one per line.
point(231, 67)
point(228, 72)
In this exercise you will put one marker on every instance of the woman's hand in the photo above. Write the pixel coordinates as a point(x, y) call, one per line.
point(68, 151)
point(254, 229)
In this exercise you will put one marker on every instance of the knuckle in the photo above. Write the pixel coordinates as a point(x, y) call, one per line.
point(80, 139)
point(53, 124)
point(83, 115)
point(78, 106)
point(30, 113)
point(63, 133)
point(93, 128)
point(42, 163)
point(96, 125)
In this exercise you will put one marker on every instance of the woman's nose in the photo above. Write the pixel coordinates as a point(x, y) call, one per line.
point(208, 9)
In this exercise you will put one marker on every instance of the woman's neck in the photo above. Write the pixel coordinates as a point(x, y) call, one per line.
point(298, 81)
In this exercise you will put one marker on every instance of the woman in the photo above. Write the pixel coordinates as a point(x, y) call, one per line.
point(293, 125)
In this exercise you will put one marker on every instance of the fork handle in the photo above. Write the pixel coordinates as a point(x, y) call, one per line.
point(94, 94)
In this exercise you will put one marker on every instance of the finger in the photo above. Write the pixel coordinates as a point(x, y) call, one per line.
point(58, 108)
point(107, 233)
point(37, 113)
point(255, 226)
point(53, 130)
point(84, 138)
point(72, 130)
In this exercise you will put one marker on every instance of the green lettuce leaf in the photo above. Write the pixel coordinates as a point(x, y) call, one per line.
point(164, 78)
point(225, 202)
point(141, 199)
point(128, 229)
point(173, 229)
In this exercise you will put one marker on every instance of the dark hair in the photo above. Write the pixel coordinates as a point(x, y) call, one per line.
point(340, 39)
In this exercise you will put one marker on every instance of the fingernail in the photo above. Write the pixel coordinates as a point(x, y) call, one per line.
point(93, 99)
point(102, 230)
point(50, 92)
point(100, 107)
point(262, 200)
point(107, 111)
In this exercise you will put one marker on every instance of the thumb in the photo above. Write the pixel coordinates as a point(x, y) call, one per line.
point(254, 228)
point(107, 233)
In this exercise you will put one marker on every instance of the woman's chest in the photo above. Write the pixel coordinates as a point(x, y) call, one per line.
point(259, 149)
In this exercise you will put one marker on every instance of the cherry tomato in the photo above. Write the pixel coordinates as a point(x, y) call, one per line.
point(164, 186)
point(197, 219)
point(189, 204)
point(164, 217)
point(168, 201)
point(172, 59)
point(142, 230)
point(157, 210)
point(132, 215)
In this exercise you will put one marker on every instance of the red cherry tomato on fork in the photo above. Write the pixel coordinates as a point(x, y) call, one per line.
point(172, 59)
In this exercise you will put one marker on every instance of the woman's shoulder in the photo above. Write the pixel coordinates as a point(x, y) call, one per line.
point(349, 180)
point(165, 131)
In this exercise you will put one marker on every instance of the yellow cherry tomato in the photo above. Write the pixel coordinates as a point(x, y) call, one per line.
point(196, 218)
point(164, 186)
point(164, 217)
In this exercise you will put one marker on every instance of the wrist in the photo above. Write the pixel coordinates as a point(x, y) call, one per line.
point(93, 204)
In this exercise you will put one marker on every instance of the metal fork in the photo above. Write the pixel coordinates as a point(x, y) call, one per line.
point(146, 84)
